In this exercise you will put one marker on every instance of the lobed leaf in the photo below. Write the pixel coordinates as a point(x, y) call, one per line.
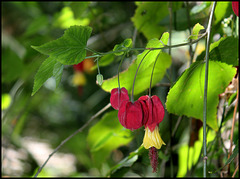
point(70, 48)
point(186, 96)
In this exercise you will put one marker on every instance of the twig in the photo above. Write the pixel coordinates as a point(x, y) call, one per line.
point(160, 48)
point(235, 172)
point(68, 138)
point(205, 91)
point(233, 123)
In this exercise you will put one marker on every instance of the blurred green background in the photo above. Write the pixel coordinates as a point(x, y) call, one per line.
point(33, 126)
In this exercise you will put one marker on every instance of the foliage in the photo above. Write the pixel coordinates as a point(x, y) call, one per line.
point(130, 44)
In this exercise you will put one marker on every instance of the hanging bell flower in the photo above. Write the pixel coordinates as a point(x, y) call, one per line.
point(152, 139)
point(118, 96)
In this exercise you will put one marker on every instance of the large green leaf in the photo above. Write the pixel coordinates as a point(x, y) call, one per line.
point(186, 96)
point(107, 135)
point(70, 48)
point(147, 17)
point(143, 76)
point(224, 50)
point(151, 56)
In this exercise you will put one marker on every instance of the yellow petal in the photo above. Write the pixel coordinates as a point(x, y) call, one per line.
point(152, 139)
point(79, 79)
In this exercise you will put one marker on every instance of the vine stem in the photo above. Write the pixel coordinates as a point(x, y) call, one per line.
point(69, 137)
point(119, 67)
point(100, 54)
point(205, 91)
point(132, 98)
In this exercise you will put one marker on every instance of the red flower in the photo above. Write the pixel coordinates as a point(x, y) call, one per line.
point(118, 96)
point(235, 7)
point(130, 115)
point(155, 111)
point(78, 67)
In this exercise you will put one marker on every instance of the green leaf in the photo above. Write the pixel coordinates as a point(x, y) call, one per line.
point(57, 72)
point(122, 46)
point(70, 48)
point(186, 96)
point(105, 136)
point(147, 17)
point(151, 56)
point(195, 31)
point(145, 70)
point(220, 11)
point(44, 72)
point(143, 76)
point(224, 50)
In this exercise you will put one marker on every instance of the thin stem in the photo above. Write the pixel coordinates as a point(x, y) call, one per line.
point(68, 138)
point(139, 49)
point(98, 66)
point(205, 92)
point(136, 75)
point(119, 67)
point(235, 172)
point(152, 74)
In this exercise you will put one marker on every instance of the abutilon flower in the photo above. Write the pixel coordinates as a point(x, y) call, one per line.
point(146, 111)
point(118, 96)
point(152, 139)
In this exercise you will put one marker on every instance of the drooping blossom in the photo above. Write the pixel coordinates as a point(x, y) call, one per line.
point(152, 139)
point(156, 112)
point(118, 96)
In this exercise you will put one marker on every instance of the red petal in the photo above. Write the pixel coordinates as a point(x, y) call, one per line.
point(155, 111)
point(78, 67)
point(158, 109)
point(144, 111)
point(118, 96)
point(130, 115)
point(235, 7)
